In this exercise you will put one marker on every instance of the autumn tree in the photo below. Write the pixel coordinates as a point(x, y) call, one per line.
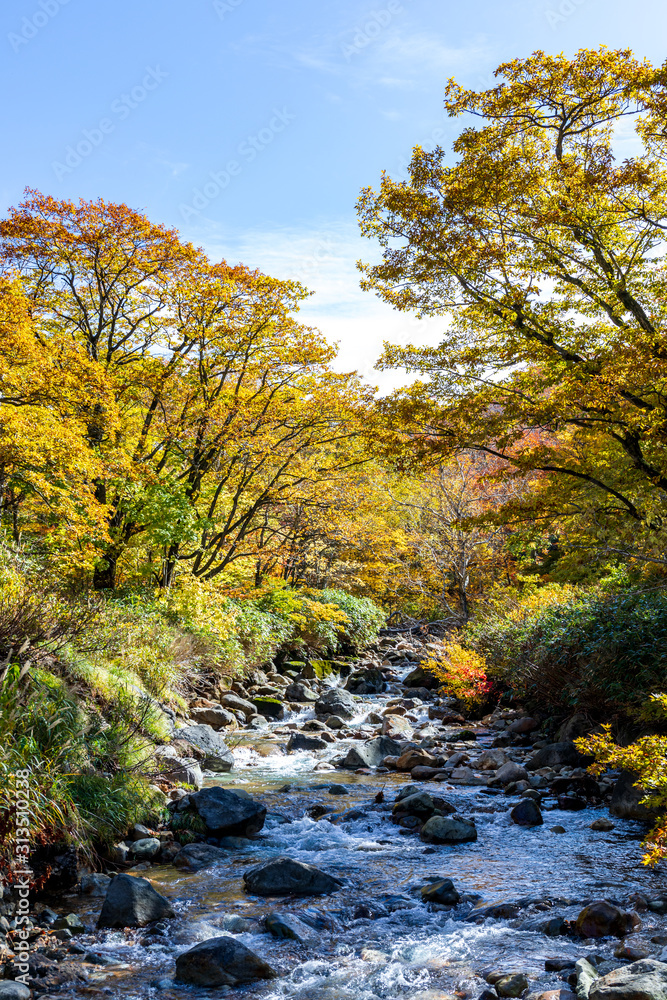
point(544, 254)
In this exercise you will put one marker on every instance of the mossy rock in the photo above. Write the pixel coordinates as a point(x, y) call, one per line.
point(318, 669)
point(269, 708)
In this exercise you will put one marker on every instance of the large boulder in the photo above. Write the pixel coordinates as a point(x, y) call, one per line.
point(268, 707)
point(644, 980)
point(194, 857)
point(132, 902)
point(603, 919)
point(511, 771)
point(237, 704)
point(415, 757)
point(303, 741)
point(371, 753)
point(221, 961)
point(285, 877)
point(419, 804)
point(420, 678)
point(370, 680)
point(527, 813)
point(396, 727)
point(217, 755)
point(443, 892)
point(10, 989)
point(448, 830)
point(300, 692)
point(555, 754)
point(625, 799)
point(180, 770)
point(288, 925)
point(216, 717)
point(336, 701)
point(228, 814)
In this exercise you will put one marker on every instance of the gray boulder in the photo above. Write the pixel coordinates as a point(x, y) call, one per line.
point(527, 813)
point(288, 925)
point(555, 754)
point(237, 704)
point(371, 753)
point(218, 756)
point(371, 680)
point(511, 771)
point(419, 804)
point(448, 830)
point(644, 980)
point(443, 892)
point(221, 961)
point(145, 849)
point(300, 741)
point(285, 877)
point(94, 884)
point(132, 902)
point(338, 702)
point(11, 990)
point(194, 857)
point(420, 678)
point(228, 814)
point(300, 692)
point(216, 717)
point(625, 800)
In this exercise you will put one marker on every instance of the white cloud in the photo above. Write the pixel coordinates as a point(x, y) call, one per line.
point(324, 259)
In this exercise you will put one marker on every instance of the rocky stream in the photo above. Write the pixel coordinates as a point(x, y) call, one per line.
point(354, 838)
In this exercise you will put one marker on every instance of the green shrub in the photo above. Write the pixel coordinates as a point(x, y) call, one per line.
point(560, 648)
point(364, 617)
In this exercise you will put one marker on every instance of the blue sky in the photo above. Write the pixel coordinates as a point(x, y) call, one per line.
point(251, 125)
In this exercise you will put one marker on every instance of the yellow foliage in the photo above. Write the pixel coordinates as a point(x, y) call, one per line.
point(461, 671)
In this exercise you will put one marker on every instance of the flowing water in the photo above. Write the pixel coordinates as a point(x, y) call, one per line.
point(375, 938)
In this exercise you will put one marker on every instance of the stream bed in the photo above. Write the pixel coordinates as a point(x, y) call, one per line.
point(375, 938)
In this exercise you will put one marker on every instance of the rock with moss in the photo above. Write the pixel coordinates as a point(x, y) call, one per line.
point(268, 707)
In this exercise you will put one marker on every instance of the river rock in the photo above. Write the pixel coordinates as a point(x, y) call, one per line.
point(194, 857)
point(420, 678)
point(269, 708)
point(237, 704)
point(514, 985)
point(370, 680)
point(94, 884)
point(491, 760)
point(603, 919)
point(217, 755)
point(420, 804)
point(286, 877)
point(228, 814)
point(625, 800)
point(146, 849)
point(445, 714)
point(300, 692)
point(11, 990)
point(132, 902)
point(300, 741)
point(525, 725)
point(443, 891)
point(422, 773)
point(448, 830)
point(527, 813)
point(336, 701)
point(288, 925)
point(371, 753)
point(415, 757)
point(221, 961)
point(396, 727)
point(511, 771)
point(555, 754)
point(216, 717)
point(644, 980)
